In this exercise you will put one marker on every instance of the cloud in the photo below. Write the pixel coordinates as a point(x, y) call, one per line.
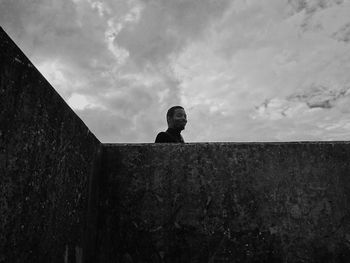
point(165, 27)
point(65, 36)
point(257, 60)
point(244, 70)
point(320, 96)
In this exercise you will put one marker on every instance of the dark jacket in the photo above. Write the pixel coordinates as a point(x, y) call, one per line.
point(169, 136)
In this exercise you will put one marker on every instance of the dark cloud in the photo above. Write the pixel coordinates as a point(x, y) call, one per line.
point(319, 96)
point(343, 34)
point(311, 6)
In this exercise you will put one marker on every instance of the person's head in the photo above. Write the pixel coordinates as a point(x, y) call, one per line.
point(176, 118)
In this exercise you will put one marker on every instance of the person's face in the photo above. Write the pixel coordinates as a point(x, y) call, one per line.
point(179, 119)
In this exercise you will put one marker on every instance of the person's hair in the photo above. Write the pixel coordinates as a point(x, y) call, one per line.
point(171, 111)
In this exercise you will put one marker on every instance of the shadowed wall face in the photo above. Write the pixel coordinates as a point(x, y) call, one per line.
point(219, 202)
point(46, 158)
point(225, 202)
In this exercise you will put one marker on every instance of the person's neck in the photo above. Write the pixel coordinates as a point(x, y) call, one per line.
point(174, 130)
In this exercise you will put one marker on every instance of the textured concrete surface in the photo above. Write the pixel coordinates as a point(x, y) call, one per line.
point(225, 202)
point(61, 201)
point(47, 156)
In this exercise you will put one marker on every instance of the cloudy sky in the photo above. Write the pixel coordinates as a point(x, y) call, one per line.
point(245, 70)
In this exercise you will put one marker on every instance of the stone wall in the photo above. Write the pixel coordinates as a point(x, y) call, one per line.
point(225, 202)
point(47, 158)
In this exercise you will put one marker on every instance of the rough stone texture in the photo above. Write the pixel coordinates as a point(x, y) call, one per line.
point(225, 202)
point(47, 157)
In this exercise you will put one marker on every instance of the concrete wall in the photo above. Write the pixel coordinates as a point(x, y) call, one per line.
point(47, 158)
point(217, 202)
point(225, 202)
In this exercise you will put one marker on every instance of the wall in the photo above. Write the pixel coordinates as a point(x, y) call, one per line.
point(47, 158)
point(64, 197)
point(225, 202)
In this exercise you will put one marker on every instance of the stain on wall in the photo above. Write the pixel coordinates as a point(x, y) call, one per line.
point(47, 156)
point(225, 202)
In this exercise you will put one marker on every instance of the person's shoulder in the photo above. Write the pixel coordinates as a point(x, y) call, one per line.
point(163, 137)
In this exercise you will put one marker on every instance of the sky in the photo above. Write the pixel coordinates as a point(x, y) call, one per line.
point(244, 70)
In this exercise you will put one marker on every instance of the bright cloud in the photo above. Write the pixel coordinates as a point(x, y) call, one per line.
point(254, 70)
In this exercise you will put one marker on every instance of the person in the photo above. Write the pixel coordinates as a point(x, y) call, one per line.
point(176, 118)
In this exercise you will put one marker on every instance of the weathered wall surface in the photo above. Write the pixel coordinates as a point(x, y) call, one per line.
point(217, 202)
point(225, 202)
point(47, 156)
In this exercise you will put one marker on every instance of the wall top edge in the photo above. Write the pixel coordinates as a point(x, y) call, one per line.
point(224, 143)
point(10, 44)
